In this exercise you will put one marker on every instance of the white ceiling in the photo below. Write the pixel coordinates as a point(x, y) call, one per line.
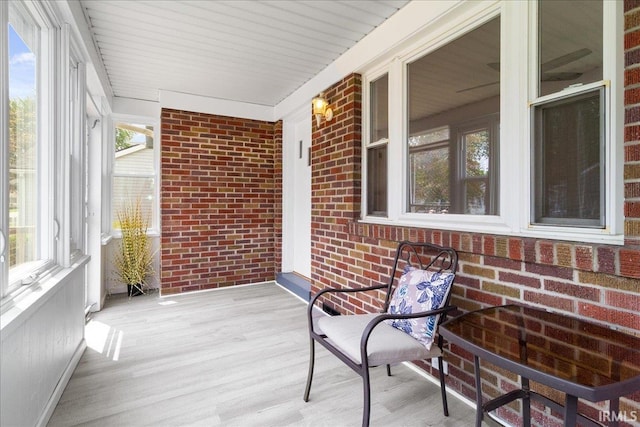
point(256, 52)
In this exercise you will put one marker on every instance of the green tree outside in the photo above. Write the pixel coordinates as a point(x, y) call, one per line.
point(123, 138)
point(22, 160)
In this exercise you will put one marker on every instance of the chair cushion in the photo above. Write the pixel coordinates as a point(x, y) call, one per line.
point(387, 345)
point(420, 290)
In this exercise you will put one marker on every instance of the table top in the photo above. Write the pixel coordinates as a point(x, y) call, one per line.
point(569, 354)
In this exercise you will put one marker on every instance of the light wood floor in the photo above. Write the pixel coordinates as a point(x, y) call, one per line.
point(230, 357)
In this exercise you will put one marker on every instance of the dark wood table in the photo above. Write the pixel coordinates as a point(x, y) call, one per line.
point(582, 359)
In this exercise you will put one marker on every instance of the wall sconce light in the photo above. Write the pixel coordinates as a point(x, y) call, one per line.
point(321, 109)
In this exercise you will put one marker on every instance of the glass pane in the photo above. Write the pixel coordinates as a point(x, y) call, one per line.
point(23, 147)
point(476, 147)
point(476, 150)
point(134, 170)
point(379, 90)
point(377, 181)
point(78, 166)
point(429, 187)
point(134, 150)
point(476, 198)
point(570, 39)
point(432, 136)
point(569, 161)
point(131, 189)
point(448, 88)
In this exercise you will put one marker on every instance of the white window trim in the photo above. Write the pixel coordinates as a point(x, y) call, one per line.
point(515, 125)
point(49, 126)
point(613, 232)
point(4, 158)
point(367, 144)
point(77, 152)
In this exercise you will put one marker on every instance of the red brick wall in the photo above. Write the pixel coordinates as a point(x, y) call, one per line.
point(632, 124)
point(220, 201)
point(335, 185)
point(597, 282)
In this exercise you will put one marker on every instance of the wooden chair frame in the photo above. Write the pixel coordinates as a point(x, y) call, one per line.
point(420, 255)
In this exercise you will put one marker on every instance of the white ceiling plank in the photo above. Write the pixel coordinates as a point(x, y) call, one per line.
point(264, 20)
point(178, 39)
point(163, 44)
point(150, 56)
point(256, 52)
point(298, 25)
point(187, 30)
point(331, 14)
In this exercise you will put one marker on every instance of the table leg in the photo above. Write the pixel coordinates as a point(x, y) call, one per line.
point(479, 410)
point(614, 411)
point(570, 411)
point(526, 402)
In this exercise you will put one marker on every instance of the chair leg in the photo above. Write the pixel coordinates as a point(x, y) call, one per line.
point(366, 411)
point(445, 406)
point(310, 374)
point(388, 370)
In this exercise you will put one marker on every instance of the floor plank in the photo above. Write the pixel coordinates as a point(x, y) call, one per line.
point(230, 357)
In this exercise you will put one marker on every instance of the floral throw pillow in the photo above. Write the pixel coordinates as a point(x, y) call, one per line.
point(420, 290)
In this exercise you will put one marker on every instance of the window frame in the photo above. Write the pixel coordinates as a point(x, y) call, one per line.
point(517, 51)
point(61, 95)
point(411, 151)
point(597, 87)
point(613, 84)
point(47, 82)
point(373, 145)
point(77, 154)
point(491, 123)
point(4, 149)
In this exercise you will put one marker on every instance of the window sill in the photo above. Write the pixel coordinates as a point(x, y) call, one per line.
point(105, 239)
point(496, 225)
point(21, 304)
point(461, 223)
point(573, 235)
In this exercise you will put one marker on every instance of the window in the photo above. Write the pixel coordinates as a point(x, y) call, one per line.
point(569, 145)
point(78, 136)
point(41, 156)
point(26, 244)
point(134, 170)
point(453, 109)
point(377, 146)
point(504, 118)
point(478, 175)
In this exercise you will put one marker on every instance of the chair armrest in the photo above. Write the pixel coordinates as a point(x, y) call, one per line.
point(385, 316)
point(312, 303)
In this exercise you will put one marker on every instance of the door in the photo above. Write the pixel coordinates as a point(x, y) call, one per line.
point(296, 221)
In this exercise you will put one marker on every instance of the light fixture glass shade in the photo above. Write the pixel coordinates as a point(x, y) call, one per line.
point(319, 105)
point(320, 108)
